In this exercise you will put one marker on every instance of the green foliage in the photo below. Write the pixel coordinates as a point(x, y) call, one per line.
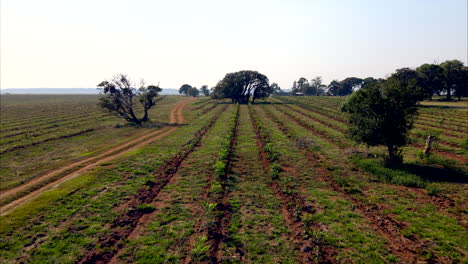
point(221, 164)
point(389, 175)
point(382, 114)
point(275, 169)
point(455, 78)
point(200, 248)
point(146, 208)
point(242, 85)
point(434, 189)
point(120, 95)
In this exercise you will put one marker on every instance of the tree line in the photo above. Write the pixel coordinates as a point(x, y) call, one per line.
point(188, 90)
point(448, 78)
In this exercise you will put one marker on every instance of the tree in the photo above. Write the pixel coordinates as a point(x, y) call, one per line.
point(193, 91)
point(120, 95)
point(240, 86)
point(462, 87)
point(302, 84)
point(316, 87)
point(294, 88)
point(348, 85)
point(334, 87)
point(262, 93)
point(205, 90)
point(431, 78)
point(382, 114)
point(453, 77)
point(407, 76)
point(184, 89)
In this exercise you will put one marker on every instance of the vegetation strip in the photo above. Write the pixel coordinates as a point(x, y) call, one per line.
point(405, 248)
point(220, 206)
point(293, 204)
point(127, 222)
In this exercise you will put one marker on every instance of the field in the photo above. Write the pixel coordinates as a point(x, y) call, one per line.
point(212, 182)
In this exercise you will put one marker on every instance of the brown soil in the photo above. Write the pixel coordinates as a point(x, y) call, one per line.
point(74, 169)
point(108, 246)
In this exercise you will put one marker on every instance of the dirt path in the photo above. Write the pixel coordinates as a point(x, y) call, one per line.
point(76, 168)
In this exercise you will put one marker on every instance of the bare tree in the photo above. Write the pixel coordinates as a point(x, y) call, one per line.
point(121, 95)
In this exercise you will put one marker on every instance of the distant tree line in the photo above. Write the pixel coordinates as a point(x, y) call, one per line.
point(188, 90)
point(448, 78)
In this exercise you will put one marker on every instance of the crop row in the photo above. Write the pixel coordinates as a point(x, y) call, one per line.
point(35, 134)
point(73, 215)
point(298, 217)
point(218, 207)
point(336, 171)
point(454, 122)
point(122, 227)
point(445, 143)
point(41, 123)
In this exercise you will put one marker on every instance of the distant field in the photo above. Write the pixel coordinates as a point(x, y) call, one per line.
point(49, 131)
point(273, 182)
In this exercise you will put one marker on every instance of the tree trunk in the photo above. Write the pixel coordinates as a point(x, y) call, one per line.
point(393, 158)
point(449, 95)
point(145, 117)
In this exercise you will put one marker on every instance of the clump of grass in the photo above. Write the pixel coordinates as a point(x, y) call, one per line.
point(146, 208)
point(275, 169)
point(200, 248)
point(434, 189)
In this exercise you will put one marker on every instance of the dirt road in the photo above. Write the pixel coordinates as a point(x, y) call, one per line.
point(72, 170)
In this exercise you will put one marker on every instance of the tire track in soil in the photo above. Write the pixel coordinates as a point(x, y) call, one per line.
point(406, 248)
point(125, 225)
point(307, 254)
point(76, 168)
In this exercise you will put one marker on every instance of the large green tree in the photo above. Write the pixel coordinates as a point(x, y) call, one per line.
point(120, 96)
point(204, 89)
point(382, 114)
point(454, 78)
point(184, 89)
point(333, 88)
point(431, 79)
point(242, 85)
point(348, 85)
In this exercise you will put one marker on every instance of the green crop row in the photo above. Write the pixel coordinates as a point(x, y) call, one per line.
point(221, 165)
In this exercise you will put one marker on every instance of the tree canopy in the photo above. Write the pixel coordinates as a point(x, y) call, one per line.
point(455, 78)
point(120, 96)
point(204, 89)
point(382, 113)
point(242, 85)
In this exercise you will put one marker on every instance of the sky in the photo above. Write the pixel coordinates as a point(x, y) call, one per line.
point(77, 44)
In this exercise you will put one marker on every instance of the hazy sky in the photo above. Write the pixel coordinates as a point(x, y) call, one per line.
point(49, 44)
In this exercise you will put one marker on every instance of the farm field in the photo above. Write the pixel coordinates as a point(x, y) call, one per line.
point(213, 182)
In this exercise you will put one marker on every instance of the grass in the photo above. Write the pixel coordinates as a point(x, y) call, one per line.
point(315, 177)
